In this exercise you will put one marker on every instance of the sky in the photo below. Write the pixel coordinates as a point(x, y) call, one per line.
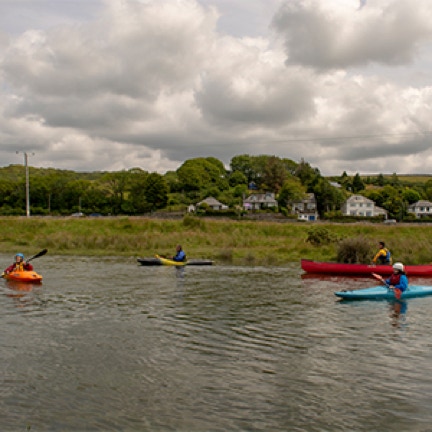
point(107, 85)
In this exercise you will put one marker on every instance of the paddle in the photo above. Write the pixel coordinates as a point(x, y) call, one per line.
point(39, 254)
point(380, 278)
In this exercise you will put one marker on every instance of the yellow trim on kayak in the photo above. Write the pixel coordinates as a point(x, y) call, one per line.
point(166, 261)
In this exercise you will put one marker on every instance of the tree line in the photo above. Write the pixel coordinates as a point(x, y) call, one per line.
point(136, 191)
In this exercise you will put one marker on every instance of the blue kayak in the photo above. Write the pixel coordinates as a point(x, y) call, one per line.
point(383, 293)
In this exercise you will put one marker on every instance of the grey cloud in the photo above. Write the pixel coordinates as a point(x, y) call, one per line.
point(317, 35)
point(275, 102)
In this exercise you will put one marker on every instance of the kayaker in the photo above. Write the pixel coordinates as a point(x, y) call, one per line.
point(180, 256)
point(19, 264)
point(383, 255)
point(398, 281)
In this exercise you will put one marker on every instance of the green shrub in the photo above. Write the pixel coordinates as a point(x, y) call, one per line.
point(356, 250)
point(319, 236)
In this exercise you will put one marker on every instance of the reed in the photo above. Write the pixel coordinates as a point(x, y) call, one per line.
point(226, 241)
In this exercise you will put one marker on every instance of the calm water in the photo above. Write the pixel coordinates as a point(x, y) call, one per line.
point(105, 344)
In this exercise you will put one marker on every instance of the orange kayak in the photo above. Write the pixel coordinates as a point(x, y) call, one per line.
point(23, 276)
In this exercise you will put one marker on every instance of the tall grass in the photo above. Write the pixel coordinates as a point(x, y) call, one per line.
point(237, 242)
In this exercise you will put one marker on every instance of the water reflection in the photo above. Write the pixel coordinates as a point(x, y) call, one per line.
point(21, 292)
point(398, 311)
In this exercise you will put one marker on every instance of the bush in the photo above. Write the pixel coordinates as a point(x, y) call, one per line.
point(319, 236)
point(355, 251)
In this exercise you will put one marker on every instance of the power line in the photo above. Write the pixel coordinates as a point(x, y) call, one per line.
point(353, 137)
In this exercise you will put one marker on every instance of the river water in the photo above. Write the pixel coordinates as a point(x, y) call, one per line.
point(107, 345)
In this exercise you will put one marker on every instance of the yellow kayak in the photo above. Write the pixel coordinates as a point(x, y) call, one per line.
point(166, 261)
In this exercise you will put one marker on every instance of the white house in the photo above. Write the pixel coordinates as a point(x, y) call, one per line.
point(213, 203)
point(305, 209)
point(260, 201)
point(421, 209)
point(358, 205)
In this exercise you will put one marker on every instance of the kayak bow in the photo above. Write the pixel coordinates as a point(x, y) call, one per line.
point(166, 261)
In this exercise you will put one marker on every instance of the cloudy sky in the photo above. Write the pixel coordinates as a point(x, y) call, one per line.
point(93, 85)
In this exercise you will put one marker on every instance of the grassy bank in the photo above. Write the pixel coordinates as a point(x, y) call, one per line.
point(237, 242)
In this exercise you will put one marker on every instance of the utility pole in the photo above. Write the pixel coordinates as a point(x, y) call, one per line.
point(27, 182)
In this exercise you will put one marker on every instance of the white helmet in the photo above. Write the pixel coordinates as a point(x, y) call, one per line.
point(399, 266)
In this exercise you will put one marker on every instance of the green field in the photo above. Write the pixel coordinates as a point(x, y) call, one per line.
point(227, 241)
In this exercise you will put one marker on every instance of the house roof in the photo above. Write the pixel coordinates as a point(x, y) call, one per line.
point(380, 211)
point(359, 198)
point(211, 202)
point(421, 203)
point(267, 197)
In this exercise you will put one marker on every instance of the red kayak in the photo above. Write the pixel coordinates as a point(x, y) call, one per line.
point(334, 268)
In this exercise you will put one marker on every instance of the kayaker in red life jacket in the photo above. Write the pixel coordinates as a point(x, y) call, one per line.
point(180, 256)
point(398, 281)
point(19, 264)
point(383, 256)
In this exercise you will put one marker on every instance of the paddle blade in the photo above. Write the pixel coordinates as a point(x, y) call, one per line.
point(377, 276)
point(380, 278)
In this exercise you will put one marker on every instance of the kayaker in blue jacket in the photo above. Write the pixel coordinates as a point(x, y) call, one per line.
point(180, 256)
point(398, 281)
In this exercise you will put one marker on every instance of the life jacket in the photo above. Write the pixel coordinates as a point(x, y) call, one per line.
point(395, 279)
point(385, 259)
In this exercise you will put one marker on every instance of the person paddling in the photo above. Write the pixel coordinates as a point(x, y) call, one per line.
point(398, 281)
point(180, 255)
point(19, 264)
point(383, 256)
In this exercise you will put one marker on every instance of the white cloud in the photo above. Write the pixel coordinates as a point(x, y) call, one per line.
point(154, 83)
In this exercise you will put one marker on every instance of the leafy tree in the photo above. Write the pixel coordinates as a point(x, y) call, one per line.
point(306, 173)
point(428, 190)
point(117, 184)
point(394, 181)
point(345, 181)
point(172, 181)
point(217, 163)
point(376, 195)
point(292, 190)
point(156, 191)
point(274, 174)
point(237, 178)
point(290, 165)
point(137, 196)
point(328, 197)
point(357, 184)
point(380, 180)
point(410, 196)
point(96, 199)
point(243, 164)
point(396, 207)
point(196, 174)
